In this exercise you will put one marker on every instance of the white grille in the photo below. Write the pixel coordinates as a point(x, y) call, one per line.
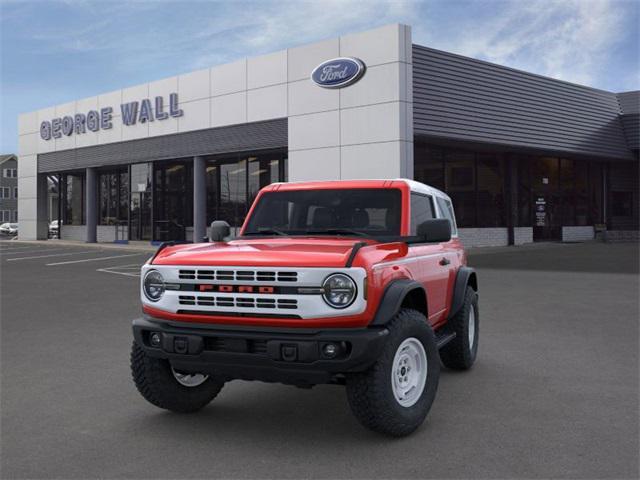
point(289, 301)
point(221, 301)
point(229, 275)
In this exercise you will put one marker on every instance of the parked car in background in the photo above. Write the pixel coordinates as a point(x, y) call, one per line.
point(54, 229)
point(9, 229)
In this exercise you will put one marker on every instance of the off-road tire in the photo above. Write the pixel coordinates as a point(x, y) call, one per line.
point(370, 393)
point(458, 354)
point(156, 383)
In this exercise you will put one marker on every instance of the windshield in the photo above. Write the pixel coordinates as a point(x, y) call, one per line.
point(354, 212)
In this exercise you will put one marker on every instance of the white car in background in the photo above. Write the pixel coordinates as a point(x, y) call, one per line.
point(9, 229)
point(54, 229)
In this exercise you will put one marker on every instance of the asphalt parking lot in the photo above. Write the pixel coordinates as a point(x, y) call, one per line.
point(554, 393)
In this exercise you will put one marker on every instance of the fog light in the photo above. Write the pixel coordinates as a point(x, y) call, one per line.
point(155, 340)
point(330, 350)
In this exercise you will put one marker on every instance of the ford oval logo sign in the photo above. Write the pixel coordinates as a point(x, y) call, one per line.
point(338, 73)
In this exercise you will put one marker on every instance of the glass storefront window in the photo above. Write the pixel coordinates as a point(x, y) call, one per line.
point(596, 193)
point(173, 200)
point(140, 202)
point(549, 191)
point(73, 199)
point(113, 197)
point(460, 181)
point(523, 177)
point(429, 166)
point(233, 183)
point(233, 192)
point(491, 199)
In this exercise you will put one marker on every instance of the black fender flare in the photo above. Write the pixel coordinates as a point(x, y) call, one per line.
point(392, 298)
point(465, 276)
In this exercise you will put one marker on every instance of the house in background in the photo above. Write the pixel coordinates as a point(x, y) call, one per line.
point(9, 188)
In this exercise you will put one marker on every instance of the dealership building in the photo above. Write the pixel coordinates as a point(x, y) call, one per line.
point(524, 157)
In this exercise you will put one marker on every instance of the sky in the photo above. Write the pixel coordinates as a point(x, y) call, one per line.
point(55, 51)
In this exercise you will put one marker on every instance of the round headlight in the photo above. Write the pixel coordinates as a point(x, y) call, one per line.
point(339, 290)
point(153, 285)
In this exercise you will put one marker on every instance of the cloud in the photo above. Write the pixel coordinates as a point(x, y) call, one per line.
point(569, 40)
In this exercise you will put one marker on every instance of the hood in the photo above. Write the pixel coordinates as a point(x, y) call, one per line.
point(272, 252)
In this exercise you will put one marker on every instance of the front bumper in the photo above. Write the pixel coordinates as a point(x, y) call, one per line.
point(292, 356)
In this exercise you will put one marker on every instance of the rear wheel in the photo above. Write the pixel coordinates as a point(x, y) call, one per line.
point(461, 352)
point(394, 396)
point(167, 388)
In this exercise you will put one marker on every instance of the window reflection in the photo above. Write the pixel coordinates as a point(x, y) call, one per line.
point(234, 182)
point(570, 190)
point(73, 199)
point(173, 199)
point(113, 197)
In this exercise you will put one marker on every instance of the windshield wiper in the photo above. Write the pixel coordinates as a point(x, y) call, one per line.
point(267, 231)
point(337, 231)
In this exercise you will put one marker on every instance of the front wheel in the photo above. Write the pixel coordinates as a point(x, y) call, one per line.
point(394, 396)
point(170, 389)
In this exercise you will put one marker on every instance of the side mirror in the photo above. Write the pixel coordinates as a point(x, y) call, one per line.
point(436, 230)
point(219, 231)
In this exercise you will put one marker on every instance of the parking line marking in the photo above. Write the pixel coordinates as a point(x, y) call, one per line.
point(106, 270)
point(20, 249)
point(32, 250)
point(93, 259)
point(52, 255)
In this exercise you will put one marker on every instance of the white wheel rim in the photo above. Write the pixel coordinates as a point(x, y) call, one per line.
point(189, 379)
point(472, 327)
point(409, 372)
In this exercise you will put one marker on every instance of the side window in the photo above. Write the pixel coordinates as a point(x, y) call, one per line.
point(447, 210)
point(421, 210)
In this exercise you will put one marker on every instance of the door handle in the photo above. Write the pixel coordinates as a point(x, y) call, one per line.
point(444, 261)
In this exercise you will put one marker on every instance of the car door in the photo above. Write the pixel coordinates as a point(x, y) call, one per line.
point(432, 266)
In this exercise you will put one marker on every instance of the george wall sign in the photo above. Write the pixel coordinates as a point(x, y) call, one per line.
point(339, 72)
point(94, 120)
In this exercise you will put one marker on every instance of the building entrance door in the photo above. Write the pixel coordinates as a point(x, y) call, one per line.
point(140, 219)
point(546, 201)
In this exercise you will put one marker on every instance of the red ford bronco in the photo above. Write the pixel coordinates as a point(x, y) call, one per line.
point(355, 283)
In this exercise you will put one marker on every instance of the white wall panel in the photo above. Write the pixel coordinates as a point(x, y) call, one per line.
point(266, 103)
point(229, 78)
point(380, 84)
point(374, 47)
point(373, 160)
point(162, 88)
point(28, 144)
point(229, 109)
point(131, 94)
point(131, 132)
point(318, 164)
point(372, 123)
point(91, 103)
point(194, 85)
point(303, 59)
point(113, 134)
point(267, 70)
point(163, 127)
point(27, 166)
point(111, 99)
point(27, 187)
point(87, 139)
point(314, 130)
point(306, 97)
point(196, 115)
